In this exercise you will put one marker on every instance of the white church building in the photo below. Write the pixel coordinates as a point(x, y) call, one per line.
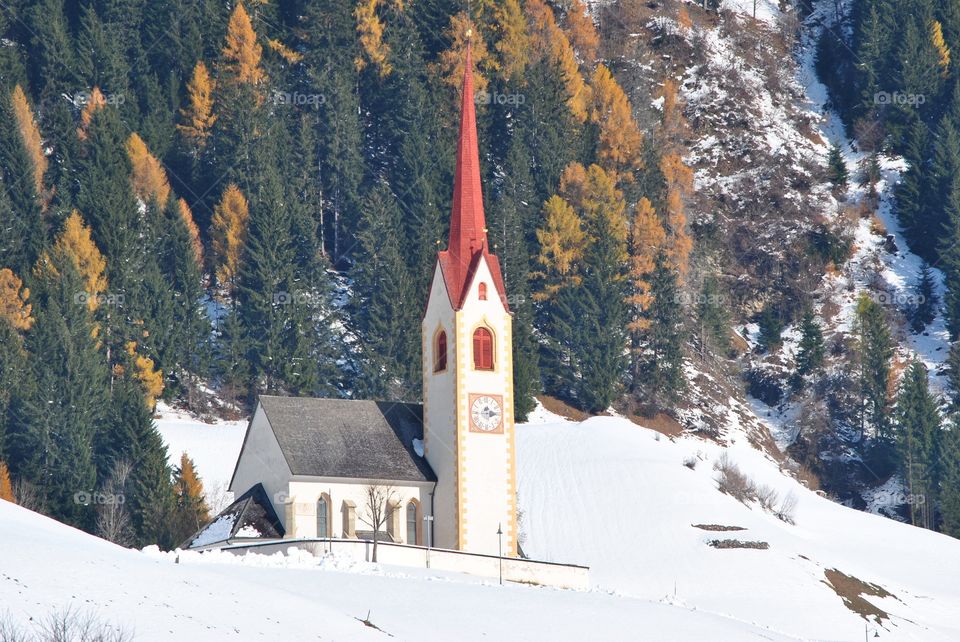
point(307, 465)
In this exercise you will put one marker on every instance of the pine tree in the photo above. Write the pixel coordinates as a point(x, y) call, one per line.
point(56, 422)
point(917, 428)
point(839, 174)
point(663, 346)
point(712, 315)
point(950, 480)
point(386, 309)
point(875, 348)
point(810, 351)
point(925, 294)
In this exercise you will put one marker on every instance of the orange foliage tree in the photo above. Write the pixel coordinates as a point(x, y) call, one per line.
point(148, 178)
point(14, 308)
point(620, 138)
point(30, 135)
point(242, 53)
point(197, 115)
point(229, 232)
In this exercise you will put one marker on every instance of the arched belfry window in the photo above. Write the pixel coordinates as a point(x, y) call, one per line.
point(483, 349)
point(323, 517)
point(483, 291)
point(440, 352)
point(412, 521)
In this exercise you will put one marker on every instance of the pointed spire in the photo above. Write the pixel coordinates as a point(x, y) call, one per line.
point(467, 246)
point(467, 223)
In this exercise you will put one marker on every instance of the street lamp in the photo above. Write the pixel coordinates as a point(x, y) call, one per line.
point(500, 541)
point(428, 526)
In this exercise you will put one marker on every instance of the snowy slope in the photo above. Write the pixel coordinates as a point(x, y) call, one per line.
point(619, 498)
point(635, 504)
point(46, 566)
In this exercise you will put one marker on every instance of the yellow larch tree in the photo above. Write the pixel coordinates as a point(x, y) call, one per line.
point(451, 61)
point(14, 308)
point(6, 487)
point(513, 40)
point(289, 55)
point(679, 181)
point(229, 234)
point(30, 135)
point(95, 102)
point(150, 377)
point(562, 244)
point(242, 53)
point(148, 178)
point(620, 139)
point(580, 30)
point(195, 241)
point(593, 193)
point(370, 29)
point(197, 115)
point(943, 51)
point(75, 244)
point(647, 239)
point(549, 40)
point(190, 496)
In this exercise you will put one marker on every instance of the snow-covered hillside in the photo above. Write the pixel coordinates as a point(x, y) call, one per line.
point(605, 492)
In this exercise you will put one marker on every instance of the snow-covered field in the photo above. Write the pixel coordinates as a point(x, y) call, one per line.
point(603, 492)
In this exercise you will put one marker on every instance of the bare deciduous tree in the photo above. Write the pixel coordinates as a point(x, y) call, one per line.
point(113, 517)
point(379, 500)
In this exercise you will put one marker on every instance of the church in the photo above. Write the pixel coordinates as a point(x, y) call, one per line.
point(444, 470)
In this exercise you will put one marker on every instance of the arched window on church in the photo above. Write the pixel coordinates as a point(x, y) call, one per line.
point(483, 349)
point(412, 521)
point(440, 352)
point(483, 291)
point(323, 517)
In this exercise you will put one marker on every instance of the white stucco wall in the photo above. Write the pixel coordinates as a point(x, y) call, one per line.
point(304, 493)
point(261, 461)
point(438, 412)
point(476, 494)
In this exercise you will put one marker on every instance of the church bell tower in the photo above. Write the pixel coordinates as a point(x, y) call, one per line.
point(468, 370)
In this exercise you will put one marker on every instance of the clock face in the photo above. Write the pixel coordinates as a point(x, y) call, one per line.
point(486, 413)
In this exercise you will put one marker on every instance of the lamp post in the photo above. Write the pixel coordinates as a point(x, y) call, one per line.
point(428, 525)
point(500, 557)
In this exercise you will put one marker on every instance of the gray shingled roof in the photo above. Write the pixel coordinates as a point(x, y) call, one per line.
point(349, 438)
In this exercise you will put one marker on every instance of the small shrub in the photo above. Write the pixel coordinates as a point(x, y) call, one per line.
point(65, 625)
point(690, 462)
point(732, 481)
point(767, 497)
point(788, 509)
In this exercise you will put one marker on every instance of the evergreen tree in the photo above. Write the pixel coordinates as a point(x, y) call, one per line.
point(950, 481)
point(917, 429)
point(875, 348)
point(386, 308)
point(839, 174)
point(810, 352)
point(663, 372)
point(925, 293)
point(712, 315)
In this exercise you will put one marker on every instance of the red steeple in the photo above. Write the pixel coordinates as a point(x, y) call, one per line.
point(468, 233)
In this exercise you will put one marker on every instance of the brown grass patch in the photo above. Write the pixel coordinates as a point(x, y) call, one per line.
point(660, 422)
point(718, 527)
point(738, 543)
point(562, 408)
point(851, 590)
